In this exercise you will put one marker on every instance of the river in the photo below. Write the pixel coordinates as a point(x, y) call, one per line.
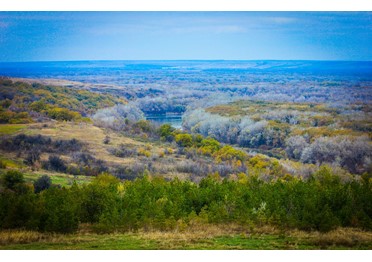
point(175, 120)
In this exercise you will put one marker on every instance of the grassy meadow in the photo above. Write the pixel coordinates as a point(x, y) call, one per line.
point(208, 237)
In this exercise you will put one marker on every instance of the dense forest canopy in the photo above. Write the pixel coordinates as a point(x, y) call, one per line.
point(307, 132)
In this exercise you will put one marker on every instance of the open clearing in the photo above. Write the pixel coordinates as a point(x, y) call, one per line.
point(199, 237)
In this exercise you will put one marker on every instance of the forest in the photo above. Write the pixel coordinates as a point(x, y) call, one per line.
point(307, 132)
point(75, 160)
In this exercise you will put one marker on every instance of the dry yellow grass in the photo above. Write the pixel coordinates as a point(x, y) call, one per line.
point(91, 135)
point(23, 237)
point(339, 237)
point(197, 231)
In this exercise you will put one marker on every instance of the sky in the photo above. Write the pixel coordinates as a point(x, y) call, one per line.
point(67, 36)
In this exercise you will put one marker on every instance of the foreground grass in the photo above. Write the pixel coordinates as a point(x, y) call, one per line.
point(206, 237)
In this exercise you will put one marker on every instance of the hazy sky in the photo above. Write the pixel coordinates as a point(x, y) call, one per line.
point(36, 36)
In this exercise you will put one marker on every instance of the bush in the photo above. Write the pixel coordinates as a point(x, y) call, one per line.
point(87, 165)
point(198, 169)
point(42, 183)
point(166, 131)
point(66, 146)
point(122, 151)
point(40, 144)
point(14, 118)
point(32, 157)
point(55, 163)
point(106, 140)
point(143, 126)
point(38, 106)
point(144, 152)
point(184, 140)
point(209, 146)
point(63, 114)
point(229, 153)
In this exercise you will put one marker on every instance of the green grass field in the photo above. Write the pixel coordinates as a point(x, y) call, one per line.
point(136, 242)
point(64, 180)
point(10, 163)
point(210, 239)
point(11, 129)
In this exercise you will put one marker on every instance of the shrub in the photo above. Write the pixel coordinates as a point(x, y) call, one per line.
point(42, 183)
point(106, 140)
point(161, 154)
point(209, 146)
point(65, 146)
point(168, 151)
point(32, 157)
point(223, 169)
point(184, 140)
point(143, 126)
point(55, 163)
point(63, 114)
point(38, 106)
point(229, 153)
point(40, 144)
point(166, 131)
point(144, 152)
point(191, 153)
point(122, 151)
point(87, 165)
point(14, 118)
point(198, 169)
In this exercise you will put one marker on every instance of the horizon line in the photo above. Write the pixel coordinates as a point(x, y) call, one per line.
point(200, 60)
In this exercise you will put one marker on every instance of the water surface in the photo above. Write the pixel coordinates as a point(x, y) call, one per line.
point(174, 120)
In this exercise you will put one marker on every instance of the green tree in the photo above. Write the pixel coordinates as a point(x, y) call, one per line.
point(165, 131)
point(61, 211)
point(12, 179)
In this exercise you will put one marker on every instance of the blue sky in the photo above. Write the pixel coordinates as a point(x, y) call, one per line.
point(54, 36)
